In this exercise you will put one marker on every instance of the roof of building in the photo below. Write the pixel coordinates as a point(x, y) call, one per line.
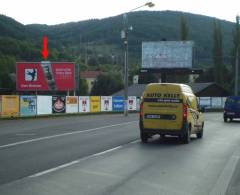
point(199, 89)
point(90, 74)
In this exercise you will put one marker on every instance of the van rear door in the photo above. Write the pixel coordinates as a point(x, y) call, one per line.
point(163, 108)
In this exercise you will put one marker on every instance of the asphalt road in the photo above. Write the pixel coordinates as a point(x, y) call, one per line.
point(102, 154)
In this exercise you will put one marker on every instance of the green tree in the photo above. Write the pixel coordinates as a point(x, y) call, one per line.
point(83, 87)
point(6, 82)
point(107, 85)
point(7, 66)
point(217, 53)
point(184, 28)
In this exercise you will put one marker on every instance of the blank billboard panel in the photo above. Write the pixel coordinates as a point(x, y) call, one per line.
point(167, 54)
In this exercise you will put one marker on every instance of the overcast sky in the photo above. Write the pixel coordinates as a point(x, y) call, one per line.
point(61, 11)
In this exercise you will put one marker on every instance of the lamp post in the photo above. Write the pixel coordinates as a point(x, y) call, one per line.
point(237, 56)
point(124, 36)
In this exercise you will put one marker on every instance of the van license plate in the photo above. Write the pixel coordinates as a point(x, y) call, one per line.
point(152, 116)
point(161, 116)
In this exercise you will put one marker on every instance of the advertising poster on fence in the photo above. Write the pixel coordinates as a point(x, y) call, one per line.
point(45, 76)
point(10, 105)
point(28, 105)
point(0, 105)
point(118, 103)
point(138, 103)
point(72, 104)
point(106, 103)
point(205, 101)
point(84, 104)
point(95, 103)
point(217, 102)
point(132, 103)
point(224, 100)
point(58, 104)
point(44, 104)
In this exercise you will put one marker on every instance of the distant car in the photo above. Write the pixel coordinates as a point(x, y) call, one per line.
point(231, 108)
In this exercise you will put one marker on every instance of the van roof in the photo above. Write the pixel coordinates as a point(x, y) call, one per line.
point(234, 97)
point(179, 86)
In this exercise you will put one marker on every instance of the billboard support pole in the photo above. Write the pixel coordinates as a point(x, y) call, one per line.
point(163, 77)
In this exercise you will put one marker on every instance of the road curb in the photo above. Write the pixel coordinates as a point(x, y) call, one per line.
point(221, 186)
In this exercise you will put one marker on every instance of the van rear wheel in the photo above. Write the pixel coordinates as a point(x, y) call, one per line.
point(225, 119)
point(200, 133)
point(186, 136)
point(144, 137)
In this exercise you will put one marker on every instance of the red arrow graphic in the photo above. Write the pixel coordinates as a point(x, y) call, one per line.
point(45, 47)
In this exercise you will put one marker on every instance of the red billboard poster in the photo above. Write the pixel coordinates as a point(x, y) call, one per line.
point(58, 104)
point(0, 105)
point(45, 76)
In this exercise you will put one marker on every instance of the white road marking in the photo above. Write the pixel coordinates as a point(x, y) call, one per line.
point(134, 142)
point(63, 134)
point(81, 159)
point(54, 169)
point(107, 151)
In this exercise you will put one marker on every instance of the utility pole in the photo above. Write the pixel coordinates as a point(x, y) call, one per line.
point(236, 73)
point(236, 89)
point(124, 36)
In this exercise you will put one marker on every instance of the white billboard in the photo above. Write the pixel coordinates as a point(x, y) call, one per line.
point(167, 54)
point(106, 103)
point(44, 104)
point(84, 104)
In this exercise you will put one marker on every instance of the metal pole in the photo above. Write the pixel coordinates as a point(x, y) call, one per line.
point(125, 65)
point(237, 56)
point(125, 38)
point(126, 77)
point(78, 78)
point(236, 73)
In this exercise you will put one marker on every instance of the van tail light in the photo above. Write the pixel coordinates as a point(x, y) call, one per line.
point(141, 110)
point(185, 112)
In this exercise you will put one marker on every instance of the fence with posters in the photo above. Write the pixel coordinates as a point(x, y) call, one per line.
point(28, 105)
point(71, 104)
point(10, 105)
point(212, 102)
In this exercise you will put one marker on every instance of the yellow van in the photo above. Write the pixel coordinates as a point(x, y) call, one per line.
point(170, 109)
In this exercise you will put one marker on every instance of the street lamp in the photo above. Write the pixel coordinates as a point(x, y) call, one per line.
point(124, 36)
point(237, 55)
